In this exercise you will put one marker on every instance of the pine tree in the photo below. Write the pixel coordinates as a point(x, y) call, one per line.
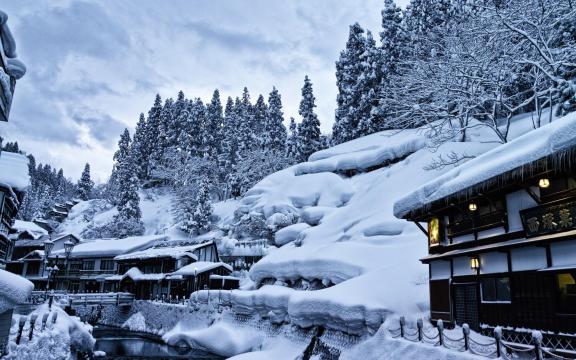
point(212, 129)
point(245, 114)
point(292, 142)
point(260, 110)
point(348, 71)
point(85, 184)
point(138, 149)
point(309, 128)
point(229, 155)
point(274, 129)
point(151, 144)
point(196, 218)
point(177, 121)
point(367, 87)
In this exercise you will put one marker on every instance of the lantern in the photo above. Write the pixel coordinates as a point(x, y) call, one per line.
point(68, 246)
point(48, 246)
point(472, 206)
point(544, 183)
point(474, 263)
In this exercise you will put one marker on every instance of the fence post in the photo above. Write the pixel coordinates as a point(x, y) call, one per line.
point(50, 302)
point(537, 340)
point(440, 326)
point(419, 325)
point(21, 324)
point(117, 299)
point(402, 323)
point(54, 318)
point(466, 333)
point(498, 338)
point(33, 318)
point(44, 320)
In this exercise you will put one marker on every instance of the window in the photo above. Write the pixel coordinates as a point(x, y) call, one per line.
point(566, 292)
point(434, 231)
point(88, 265)
point(495, 289)
point(75, 265)
point(107, 265)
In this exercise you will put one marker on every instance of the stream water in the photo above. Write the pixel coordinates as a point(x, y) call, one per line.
point(121, 344)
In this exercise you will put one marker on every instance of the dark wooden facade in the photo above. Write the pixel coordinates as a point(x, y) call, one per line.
point(507, 256)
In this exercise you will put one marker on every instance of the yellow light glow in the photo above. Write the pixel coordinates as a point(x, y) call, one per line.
point(474, 263)
point(544, 183)
point(472, 207)
point(434, 231)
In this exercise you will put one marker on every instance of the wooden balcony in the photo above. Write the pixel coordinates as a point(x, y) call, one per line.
point(477, 223)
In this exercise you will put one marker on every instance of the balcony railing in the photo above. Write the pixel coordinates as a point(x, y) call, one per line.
point(477, 223)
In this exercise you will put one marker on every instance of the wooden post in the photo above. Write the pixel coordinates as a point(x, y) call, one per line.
point(33, 318)
point(54, 318)
point(21, 324)
point(440, 325)
point(466, 333)
point(44, 320)
point(537, 340)
point(419, 325)
point(402, 323)
point(498, 338)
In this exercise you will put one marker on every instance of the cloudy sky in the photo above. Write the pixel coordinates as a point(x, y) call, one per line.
point(93, 66)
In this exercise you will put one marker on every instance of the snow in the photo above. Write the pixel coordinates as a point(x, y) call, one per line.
point(523, 150)
point(14, 170)
point(277, 349)
point(289, 233)
point(136, 322)
point(200, 267)
point(220, 338)
point(8, 43)
point(15, 68)
point(364, 153)
point(112, 247)
point(137, 275)
point(29, 227)
point(14, 289)
point(175, 252)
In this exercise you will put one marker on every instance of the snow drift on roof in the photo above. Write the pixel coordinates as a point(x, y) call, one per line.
point(112, 247)
point(555, 137)
point(14, 289)
point(21, 226)
point(175, 252)
point(14, 170)
point(200, 267)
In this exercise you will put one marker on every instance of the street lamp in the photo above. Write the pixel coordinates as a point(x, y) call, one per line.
point(48, 245)
point(51, 271)
point(68, 246)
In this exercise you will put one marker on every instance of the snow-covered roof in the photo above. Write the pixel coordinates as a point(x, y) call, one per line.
point(14, 67)
point(175, 252)
point(112, 247)
point(137, 275)
point(14, 289)
point(554, 138)
point(14, 171)
point(33, 229)
point(200, 267)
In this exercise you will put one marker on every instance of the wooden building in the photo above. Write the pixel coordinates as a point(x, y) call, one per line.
point(501, 234)
point(171, 268)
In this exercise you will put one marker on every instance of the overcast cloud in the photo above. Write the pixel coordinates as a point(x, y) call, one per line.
point(93, 66)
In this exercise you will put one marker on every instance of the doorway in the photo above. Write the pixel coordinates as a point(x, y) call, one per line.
point(466, 304)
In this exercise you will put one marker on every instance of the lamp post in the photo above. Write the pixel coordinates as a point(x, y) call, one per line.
point(51, 271)
point(48, 245)
point(68, 246)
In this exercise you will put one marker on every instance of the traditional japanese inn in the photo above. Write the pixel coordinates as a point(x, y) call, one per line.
point(502, 234)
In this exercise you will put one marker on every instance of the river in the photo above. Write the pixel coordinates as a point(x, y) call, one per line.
point(120, 344)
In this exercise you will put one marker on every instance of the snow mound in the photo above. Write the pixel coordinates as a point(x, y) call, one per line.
point(551, 138)
point(221, 339)
point(364, 153)
point(14, 170)
point(14, 289)
point(289, 233)
point(136, 322)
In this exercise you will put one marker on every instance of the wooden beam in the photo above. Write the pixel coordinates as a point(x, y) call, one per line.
point(533, 195)
point(421, 228)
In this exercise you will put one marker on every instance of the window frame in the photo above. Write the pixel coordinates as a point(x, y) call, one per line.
point(559, 307)
point(494, 279)
point(85, 262)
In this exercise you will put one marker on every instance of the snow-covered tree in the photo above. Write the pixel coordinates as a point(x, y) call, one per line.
point(212, 130)
point(85, 184)
point(309, 128)
point(274, 137)
point(292, 142)
point(259, 113)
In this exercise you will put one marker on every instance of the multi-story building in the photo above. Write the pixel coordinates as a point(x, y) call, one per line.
point(502, 234)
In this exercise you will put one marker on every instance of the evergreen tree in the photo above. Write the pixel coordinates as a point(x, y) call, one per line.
point(85, 184)
point(367, 89)
point(260, 110)
point(212, 129)
point(292, 142)
point(139, 150)
point(274, 130)
point(151, 143)
point(245, 114)
point(348, 71)
point(309, 128)
point(196, 219)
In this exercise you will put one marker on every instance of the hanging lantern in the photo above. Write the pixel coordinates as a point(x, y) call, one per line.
point(68, 246)
point(544, 183)
point(472, 206)
point(474, 263)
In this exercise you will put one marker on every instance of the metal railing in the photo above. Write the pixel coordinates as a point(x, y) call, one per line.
point(499, 347)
